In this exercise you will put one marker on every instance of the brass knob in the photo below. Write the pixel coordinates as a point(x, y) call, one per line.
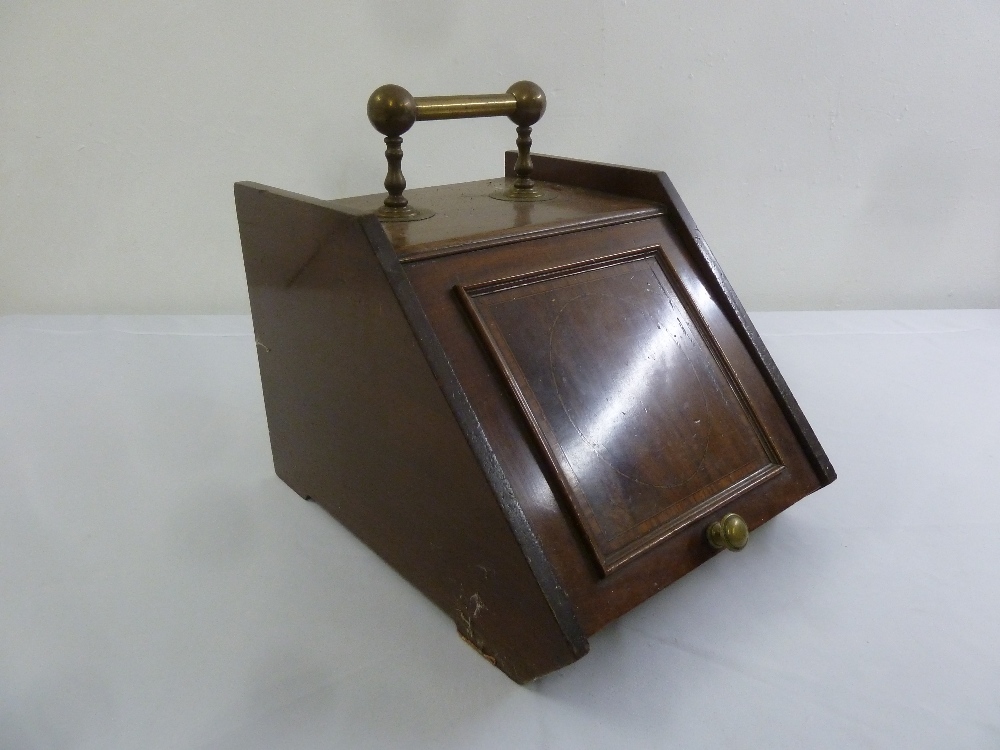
point(729, 533)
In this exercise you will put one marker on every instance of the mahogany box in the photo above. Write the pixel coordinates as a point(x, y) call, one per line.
point(539, 413)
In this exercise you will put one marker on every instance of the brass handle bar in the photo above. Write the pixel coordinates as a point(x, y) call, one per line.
point(392, 111)
point(458, 107)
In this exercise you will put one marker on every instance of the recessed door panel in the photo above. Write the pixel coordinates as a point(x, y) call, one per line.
point(642, 421)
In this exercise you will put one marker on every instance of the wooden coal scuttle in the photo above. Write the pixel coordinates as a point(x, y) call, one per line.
point(537, 398)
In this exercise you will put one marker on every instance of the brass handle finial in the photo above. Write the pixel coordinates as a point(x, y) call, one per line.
point(392, 111)
point(730, 532)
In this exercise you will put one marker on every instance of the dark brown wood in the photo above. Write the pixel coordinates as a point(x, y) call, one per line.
point(736, 395)
point(469, 219)
point(655, 186)
point(633, 404)
point(359, 424)
point(532, 411)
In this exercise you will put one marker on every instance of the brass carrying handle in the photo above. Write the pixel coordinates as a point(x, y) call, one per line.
point(730, 532)
point(392, 111)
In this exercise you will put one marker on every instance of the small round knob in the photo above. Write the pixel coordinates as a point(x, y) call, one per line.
point(391, 110)
point(730, 532)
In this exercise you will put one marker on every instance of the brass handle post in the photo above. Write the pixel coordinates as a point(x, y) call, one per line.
point(392, 111)
point(730, 532)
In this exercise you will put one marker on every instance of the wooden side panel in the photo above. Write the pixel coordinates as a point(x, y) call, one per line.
point(359, 424)
point(656, 186)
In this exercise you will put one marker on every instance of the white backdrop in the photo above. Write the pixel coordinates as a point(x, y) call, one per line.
point(838, 153)
point(162, 589)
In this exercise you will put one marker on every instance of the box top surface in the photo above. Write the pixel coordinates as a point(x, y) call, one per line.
point(466, 217)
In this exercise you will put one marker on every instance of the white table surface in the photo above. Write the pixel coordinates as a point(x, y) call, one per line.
point(161, 588)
